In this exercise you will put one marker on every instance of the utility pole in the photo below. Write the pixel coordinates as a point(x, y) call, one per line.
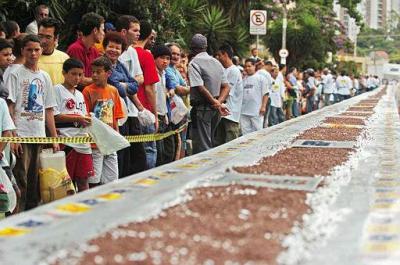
point(284, 28)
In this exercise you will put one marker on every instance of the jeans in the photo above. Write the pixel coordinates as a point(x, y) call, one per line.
point(276, 116)
point(310, 104)
point(296, 109)
point(342, 97)
point(150, 147)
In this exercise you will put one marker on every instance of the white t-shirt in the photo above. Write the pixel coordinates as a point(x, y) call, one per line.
point(6, 124)
point(356, 84)
point(71, 104)
point(254, 88)
point(235, 98)
point(130, 60)
point(277, 93)
point(161, 95)
point(266, 75)
point(32, 92)
point(343, 85)
point(327, 81)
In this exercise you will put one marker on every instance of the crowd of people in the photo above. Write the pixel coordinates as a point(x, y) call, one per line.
point(119, 73)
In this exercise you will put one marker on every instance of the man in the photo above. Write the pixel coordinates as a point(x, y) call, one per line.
point(177, 85)
point(129, 28)
point(328, 86)
point(344, 86)
point(92, 28)
point(31, 102)
point(294, 91)
point(52, 59)
point(209, 90)
point(41, 12)
point(309, 89)
point(254, 54)
point(229, 128)
point(147, 92)
point(150, 44)
point(266, 73)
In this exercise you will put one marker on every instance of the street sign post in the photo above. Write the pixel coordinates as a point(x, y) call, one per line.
point(283, 53)
point(258, 23)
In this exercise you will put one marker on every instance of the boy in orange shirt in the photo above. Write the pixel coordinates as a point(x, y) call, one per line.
point(104, 101)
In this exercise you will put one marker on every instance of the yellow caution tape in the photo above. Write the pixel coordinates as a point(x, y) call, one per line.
point(87, 139)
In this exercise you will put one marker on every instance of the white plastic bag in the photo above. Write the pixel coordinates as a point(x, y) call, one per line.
point(178, 109)
point(11, 202)
point(107, 140)
point(146, 117)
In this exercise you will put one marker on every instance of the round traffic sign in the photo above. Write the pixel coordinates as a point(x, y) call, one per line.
point(283, 53)
point(258, 18)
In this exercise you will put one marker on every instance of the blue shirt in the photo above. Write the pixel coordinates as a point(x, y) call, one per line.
point(173, 78)
point(121, 75)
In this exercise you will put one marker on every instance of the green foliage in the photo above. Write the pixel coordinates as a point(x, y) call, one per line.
point(310, 34)
point(380, 40)
point(174, 20)
point(350, 67)
point(351, 6)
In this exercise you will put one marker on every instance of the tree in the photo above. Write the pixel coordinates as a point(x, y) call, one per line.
point(310, 34)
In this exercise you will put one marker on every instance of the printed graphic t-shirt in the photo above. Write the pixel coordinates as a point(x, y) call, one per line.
point(105, 103)
point(32, 92)
point(71, 104)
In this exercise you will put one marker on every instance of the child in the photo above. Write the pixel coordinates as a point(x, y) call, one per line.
point(71, 114)
point(31, 102)
point(255, 98)
point(277, 95)
point(104, 101)
point(166, 147)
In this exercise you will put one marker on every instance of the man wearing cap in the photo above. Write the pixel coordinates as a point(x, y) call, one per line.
point(209, 90)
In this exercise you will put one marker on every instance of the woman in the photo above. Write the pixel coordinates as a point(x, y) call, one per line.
point(114, 44)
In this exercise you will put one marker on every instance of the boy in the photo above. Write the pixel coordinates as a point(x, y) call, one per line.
point(277, 95)
point(5, 61)
point(70, 114)
point(104, 101)
point(83, 49)
point(165, 147)
point(229, 129)
point(31, 102)
point(255, 98)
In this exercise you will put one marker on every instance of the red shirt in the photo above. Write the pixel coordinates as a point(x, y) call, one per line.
point(150, 75)
point(78, 51)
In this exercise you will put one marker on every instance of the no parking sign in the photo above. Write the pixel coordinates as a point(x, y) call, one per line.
point(258, 22)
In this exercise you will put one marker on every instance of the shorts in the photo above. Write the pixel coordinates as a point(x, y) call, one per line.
point(79, 166)
point(105, 168)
